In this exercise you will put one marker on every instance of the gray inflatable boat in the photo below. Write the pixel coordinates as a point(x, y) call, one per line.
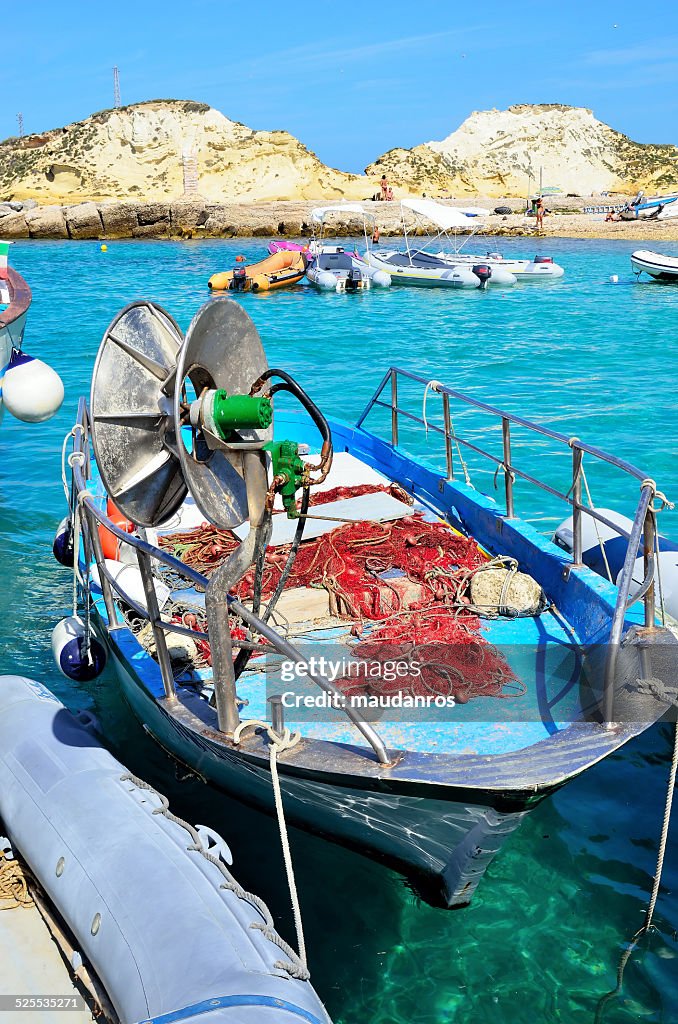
point(158, 916)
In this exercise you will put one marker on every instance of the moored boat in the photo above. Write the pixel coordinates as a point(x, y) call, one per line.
point(414, 265)
point(655, 264)
point(129, 888)
point(29, 388)
point(279, 270)
point(332, 267)
point(507, 696)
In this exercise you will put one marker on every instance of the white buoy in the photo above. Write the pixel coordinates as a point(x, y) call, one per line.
point(69, 649)
point(31, 390)
point(614, 279)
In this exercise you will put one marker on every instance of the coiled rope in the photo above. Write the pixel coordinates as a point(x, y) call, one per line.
point(13, 885)
point(294, 965)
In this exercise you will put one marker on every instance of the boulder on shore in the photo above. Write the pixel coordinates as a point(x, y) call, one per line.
point(47, 222)
point(14, 226)
point(119, 219)
point(84, 221)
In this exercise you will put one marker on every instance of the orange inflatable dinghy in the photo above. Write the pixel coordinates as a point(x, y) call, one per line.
point(276, 271)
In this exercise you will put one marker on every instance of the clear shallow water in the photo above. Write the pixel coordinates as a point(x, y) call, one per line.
point(542, 938)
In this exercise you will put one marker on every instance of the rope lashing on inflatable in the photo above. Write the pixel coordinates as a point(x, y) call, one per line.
point(294, 965)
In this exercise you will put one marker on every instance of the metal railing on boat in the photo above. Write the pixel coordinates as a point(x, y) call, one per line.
point(644, 525)
point(146, 553)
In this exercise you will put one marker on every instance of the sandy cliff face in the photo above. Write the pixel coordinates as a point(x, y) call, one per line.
point(137, 153)
point(495, 151)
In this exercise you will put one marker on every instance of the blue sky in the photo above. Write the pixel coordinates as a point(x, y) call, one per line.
point(350, 79)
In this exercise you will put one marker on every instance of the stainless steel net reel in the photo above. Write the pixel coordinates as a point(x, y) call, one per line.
point(171, 416)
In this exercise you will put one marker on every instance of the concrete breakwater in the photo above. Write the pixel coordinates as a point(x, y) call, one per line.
point(193, 219)
point(197, 218)
point(180, 219)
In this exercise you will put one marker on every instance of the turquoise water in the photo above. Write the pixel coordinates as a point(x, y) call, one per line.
point(542, 938)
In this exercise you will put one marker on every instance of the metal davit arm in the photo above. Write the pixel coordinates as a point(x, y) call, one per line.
point(80, 468)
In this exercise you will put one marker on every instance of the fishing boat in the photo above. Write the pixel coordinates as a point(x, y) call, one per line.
point(417, 666)
point(127, 890)
point(279, 270)
point(29, 388)
point(655, 264)
point(657, 208)
point(334, 269)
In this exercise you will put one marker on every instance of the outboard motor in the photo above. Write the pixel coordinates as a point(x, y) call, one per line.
point(354, 279)
point(484, 272)
point(239, 282)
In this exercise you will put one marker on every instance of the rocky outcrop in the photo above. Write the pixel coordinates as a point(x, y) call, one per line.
point(138, 152)
point(498, 152)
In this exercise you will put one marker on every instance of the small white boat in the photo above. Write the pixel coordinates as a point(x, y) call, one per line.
point(445, 268)
point(504, 271)
point(422, 270)
point(334, 269)
point(656, 264)
point(519, 270)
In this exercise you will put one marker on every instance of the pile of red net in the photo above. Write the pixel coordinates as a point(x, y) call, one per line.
point(402, 584)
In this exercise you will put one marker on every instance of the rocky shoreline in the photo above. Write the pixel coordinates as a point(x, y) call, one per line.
point(196, 218)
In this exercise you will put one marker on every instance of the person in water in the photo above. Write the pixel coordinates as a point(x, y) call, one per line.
point(375, 235)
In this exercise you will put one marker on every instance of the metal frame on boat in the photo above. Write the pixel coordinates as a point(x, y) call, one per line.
point(439, 817)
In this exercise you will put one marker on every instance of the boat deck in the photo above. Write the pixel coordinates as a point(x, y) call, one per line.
point(540, 651)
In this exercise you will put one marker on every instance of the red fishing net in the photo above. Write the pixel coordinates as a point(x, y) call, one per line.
point(403, 585)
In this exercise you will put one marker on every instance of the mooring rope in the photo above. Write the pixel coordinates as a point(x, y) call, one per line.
point(277, 744)
point(13, 885)
point(649, 913)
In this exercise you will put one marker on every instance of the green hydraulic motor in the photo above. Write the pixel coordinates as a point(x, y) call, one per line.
point(223, 415)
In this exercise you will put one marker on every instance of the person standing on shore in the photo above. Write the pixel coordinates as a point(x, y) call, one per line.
point(539, 210)
point(384, 188)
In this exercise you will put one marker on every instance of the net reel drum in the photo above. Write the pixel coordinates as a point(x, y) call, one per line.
point(171, 416)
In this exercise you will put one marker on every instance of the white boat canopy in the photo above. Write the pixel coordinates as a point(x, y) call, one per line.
point(444, 217)
point(320, 212)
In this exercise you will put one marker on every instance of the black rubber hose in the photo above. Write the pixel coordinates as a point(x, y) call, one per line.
point(299, 393)
point(243, 656)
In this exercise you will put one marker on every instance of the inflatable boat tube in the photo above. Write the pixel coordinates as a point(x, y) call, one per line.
point(166, 937)
point(278, 270)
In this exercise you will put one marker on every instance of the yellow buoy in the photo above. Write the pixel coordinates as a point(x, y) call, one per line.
point(104, 248)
